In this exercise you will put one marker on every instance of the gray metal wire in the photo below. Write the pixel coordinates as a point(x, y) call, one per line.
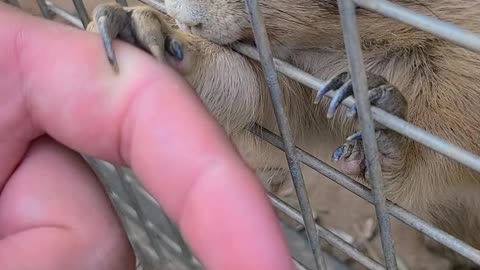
point(428, 24)
point(82, 12)
point(44, 8)
point(360, 89)
point(391, 121)
point(270, 73)
point(295, 155)
point(363, 192)
point(122, 2)
point(324, 233)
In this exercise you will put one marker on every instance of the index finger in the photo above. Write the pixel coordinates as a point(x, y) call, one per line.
point(149, 118)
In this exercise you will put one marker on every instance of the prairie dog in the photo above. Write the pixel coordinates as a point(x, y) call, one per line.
point(414, 75)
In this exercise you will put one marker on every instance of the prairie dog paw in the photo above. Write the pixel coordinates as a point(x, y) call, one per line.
point(142, 27)
point(381, 94)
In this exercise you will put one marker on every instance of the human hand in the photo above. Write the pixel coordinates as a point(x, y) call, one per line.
point(56, 91)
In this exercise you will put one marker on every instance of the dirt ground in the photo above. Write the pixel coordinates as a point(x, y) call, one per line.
point(345, 210)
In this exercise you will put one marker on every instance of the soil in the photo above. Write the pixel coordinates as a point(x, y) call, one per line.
point(343, 210)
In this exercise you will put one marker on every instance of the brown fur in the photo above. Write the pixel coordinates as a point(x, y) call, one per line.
point(439, 81)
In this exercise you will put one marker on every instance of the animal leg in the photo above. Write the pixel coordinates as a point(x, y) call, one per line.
point(139, 26)
point(381, 94)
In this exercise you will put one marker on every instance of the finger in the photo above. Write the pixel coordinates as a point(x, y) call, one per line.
point(149, 118)
point(54, 215)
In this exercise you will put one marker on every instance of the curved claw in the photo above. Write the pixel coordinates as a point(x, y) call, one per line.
point(337, 154)
point(335, 83)
point(355, 136)
point(342, 152)
point(321, 93)
point(345, 91)
point(107, 43)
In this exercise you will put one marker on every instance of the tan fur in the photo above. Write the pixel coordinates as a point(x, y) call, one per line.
point(441, 83)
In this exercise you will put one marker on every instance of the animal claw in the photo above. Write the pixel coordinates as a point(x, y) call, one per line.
point(355, 136)
point(107, 43)
point(345, 91)
point(333, 84)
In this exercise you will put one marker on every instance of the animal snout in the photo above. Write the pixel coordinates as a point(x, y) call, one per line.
point(188, 14)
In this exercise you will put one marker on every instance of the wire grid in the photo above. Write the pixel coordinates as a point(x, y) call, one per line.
point(134, 206)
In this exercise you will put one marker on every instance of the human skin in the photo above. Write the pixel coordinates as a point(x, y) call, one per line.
point(57, 91)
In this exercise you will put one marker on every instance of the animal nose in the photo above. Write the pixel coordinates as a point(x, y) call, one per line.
point(182, 14)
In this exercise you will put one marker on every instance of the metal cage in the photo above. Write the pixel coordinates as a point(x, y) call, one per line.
point(161, 242)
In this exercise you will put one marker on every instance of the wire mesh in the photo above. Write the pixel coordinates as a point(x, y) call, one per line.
point(156, 229)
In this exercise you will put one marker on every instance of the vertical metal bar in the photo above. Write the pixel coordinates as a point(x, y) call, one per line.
point(270, 73)
point(82, 12)
point(359, 81)
point(44, 9)
point(122, 2)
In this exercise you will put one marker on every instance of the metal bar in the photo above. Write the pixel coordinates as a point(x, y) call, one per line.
point(428, 24)
point(397, 124)
point(330, 237)
point(42, 5)
point(155, 4)
point(266, 58)
point(64, 14)
point(369, 141)
point(363, 192)
point(433, 142)
point(82, 12)
point(122, 2)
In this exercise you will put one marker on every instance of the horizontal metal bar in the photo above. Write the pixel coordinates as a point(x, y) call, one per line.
point(447, 31)
point(329, 236)
point(397, 124)
point(155, 4)
point(122, 2)
point(363, 192)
